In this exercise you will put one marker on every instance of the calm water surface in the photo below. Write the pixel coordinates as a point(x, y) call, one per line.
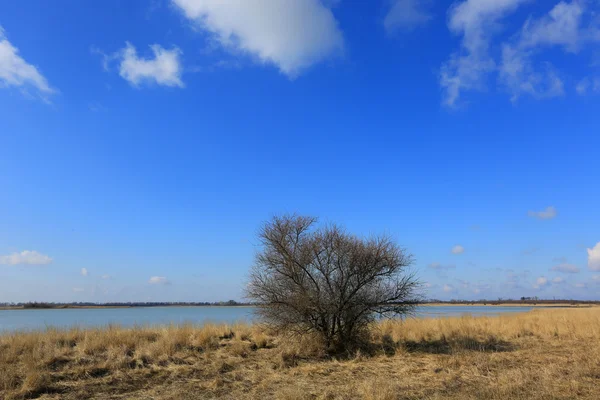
point(18, 320)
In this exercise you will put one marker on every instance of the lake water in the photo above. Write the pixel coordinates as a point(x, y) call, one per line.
point(18, 320)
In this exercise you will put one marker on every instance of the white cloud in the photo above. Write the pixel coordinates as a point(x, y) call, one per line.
point(518, 75)
point(290, 34)
point(84, 272)
point(476, 21)
point(78, 290)
point(558, 280)
point(106, 276)
point(15, 71)
point(458, 249)
point(582, 86)
point(540, 282)
point(529, 251)
point(480, 287)
point(568, 25)
point(448, 288)
point(438, 266)
point(561, 27)
point(156, 280)
point(548, 213)
point(586, 85)
point(594, 257)
point(464, 284)
point(406, 15)
point(580, 285)
point(566, 267)
point(28, 257)
point(163, 69)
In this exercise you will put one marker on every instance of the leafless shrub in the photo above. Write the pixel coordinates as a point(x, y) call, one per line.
point(327, 281)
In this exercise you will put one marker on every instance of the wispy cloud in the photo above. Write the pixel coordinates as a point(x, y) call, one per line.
point(569, 26)
point(566, 268)
point(448, 288)
point(458, 249)
point(438, 266)
point(529, 251)
point(588, 85)
point(560, 27)
point(292, 35)
point(540, 282)
point(84, 272)
point(476, 21)
point(548, 213)
point(16, 72)
point(27, 257)
point(158, 280)
point(406, 15)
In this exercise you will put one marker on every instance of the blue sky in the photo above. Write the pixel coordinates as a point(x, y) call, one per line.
point(143, 143)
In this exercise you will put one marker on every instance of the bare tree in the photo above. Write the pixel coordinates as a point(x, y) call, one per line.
point(324, 280)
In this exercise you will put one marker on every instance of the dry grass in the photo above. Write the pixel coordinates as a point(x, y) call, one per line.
point(543, 354)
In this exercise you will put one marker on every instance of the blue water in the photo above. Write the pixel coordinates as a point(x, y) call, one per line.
point(20, 320)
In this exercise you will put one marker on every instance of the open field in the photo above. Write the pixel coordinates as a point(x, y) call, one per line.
point(543, 354)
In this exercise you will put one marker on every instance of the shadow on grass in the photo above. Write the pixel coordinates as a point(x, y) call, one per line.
point(454, 345)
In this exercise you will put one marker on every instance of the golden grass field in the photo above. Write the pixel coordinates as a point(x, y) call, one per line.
point(542, 354)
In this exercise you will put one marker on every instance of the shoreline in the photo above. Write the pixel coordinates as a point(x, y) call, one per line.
point(495, 304)
point(537, 305)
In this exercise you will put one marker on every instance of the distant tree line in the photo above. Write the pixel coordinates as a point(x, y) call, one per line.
point(522, 300)
point(46, 305)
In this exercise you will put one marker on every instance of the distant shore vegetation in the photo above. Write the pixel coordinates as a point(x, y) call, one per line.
point(233, 303)
point(49, 305)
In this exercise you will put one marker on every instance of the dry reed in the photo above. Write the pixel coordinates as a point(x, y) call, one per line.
point(542, 354)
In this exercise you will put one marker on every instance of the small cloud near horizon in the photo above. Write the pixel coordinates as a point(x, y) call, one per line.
point(448, 288)
point(529, 251)
point(158, 280)
point(458, 249)
point(540, 282)
point(549, 213)
point(438, 266)
point(27, 257)
point(566, 268)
